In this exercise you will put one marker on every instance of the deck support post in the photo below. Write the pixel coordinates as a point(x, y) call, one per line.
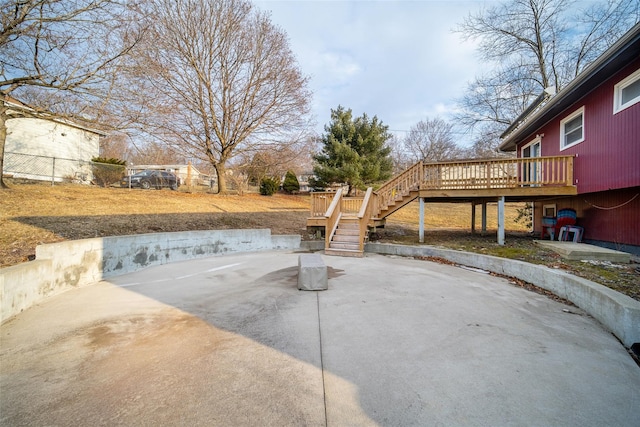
point(421, 226)
point(484, 218)
point(501, 220)
point(473, 217)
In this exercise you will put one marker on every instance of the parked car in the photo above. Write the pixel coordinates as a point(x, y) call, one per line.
point(151, 178)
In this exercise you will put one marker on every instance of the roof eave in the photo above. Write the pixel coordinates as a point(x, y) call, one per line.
point(17, 105)
point(528, 124)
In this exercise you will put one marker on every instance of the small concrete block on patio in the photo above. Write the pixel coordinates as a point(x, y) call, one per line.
point(312, 273)
point(580, 251)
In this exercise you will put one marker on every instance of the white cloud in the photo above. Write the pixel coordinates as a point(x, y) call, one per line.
point(398, 60)
point(337, 67)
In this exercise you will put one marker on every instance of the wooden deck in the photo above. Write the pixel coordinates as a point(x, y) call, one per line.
point(475, 181)
point(515, 179)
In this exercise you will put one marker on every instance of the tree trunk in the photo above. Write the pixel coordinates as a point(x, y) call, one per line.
point(3, 139)
point(222, 179)
point(351, 189)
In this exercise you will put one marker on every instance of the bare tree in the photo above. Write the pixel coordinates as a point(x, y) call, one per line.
point(536, 44)
point(486, 143)
point(154, 153)
point(275, 163)
point(115, 146)
point(400, 157)
point(219, 79)
point(431, 140)
point(60, 55)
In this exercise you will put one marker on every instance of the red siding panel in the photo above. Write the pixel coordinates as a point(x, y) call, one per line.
point(606, 165)
point(608, 216)
point(609, 157)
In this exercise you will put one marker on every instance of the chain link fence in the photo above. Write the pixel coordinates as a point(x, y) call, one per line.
point(56, 169)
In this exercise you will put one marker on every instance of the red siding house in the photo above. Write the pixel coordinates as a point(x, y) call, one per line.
point(596, 119)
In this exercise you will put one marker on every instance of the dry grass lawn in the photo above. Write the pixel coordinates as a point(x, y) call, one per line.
point(33, 214)
point(36, 213)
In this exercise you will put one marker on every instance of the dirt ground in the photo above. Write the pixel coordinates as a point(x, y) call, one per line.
point(33, 214)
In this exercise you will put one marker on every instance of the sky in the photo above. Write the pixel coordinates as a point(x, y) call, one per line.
point(397, 60)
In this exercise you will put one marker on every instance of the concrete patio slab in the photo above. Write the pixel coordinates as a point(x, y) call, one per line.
point(230, 340)
point(580, 251)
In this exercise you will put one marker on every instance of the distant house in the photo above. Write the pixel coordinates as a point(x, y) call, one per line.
point(42, 147)
point(596, 119)
point(304, 179)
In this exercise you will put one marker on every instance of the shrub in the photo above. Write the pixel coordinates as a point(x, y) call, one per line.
point(107, 171)
point(269, 186)
point(290, 183)
point(525, 215)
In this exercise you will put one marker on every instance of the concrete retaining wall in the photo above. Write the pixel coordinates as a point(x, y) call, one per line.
point(62, 266)
point(617, 312)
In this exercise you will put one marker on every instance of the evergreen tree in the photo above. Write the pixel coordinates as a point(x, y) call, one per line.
point(354, 151)
point(290, 183)
point(269, 186)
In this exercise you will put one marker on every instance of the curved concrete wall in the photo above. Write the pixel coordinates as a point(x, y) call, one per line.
point(617, 312)
point(62, 266)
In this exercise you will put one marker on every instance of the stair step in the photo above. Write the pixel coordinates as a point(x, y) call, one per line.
point(344, 245)
point(344, 252)
point(346, 238)
point(349, 220)
point(349, 225)
point(348, 231)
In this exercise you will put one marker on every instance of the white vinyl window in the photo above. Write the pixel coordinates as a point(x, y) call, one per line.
point(572, 129)
point(627, 92)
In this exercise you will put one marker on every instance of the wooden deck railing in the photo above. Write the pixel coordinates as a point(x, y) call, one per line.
point(460, 175)
point(499, 173)
point(351, 205)
point(320, 202)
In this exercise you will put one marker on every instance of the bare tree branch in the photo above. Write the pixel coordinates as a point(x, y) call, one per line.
point(431, 140)
point(223, 79)
point(536, 44)
point(51, 47)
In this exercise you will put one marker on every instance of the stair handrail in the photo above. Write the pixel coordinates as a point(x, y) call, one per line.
point(365, 203)
point(400, 185)
point(333, 214)
point(364, 216)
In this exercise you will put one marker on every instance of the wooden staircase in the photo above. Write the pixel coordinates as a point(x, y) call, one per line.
point(398, 192)
point(398, 202)
point(346, 239)
point(347, 223)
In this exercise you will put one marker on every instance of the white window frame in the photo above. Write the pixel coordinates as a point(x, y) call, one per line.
point(553, 208)
point(532, 171)
point(570, 117)
point(617, 93)
point(536, 140)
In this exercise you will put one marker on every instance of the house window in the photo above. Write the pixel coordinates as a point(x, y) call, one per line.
point(549, 210)
point(627, 92)
point(572, 129)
